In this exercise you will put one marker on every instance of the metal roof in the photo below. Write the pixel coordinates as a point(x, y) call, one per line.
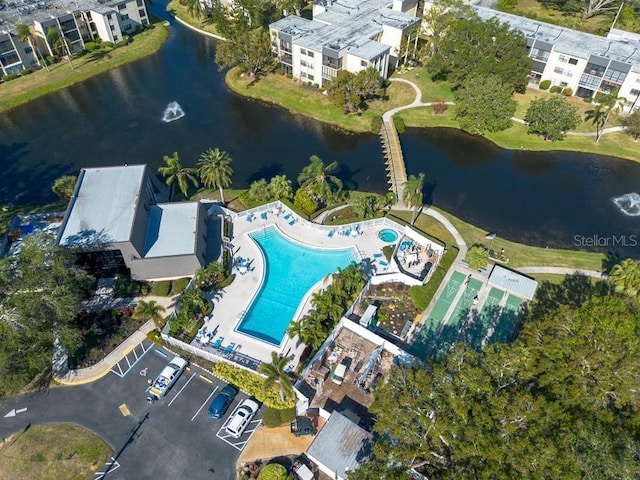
point(103, 207)
point(623, 48)
point(341, 445)
point(513, 282)
point(349, 25)
point(172, 229)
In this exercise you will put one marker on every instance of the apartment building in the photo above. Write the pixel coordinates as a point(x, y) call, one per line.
point(79, 21)
point(588, 64)
point(350, 35)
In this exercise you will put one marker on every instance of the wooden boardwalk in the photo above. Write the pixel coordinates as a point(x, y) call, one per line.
point(394, 161)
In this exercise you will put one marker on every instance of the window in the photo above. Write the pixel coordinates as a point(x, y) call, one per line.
point(112, 27)
point(124, 17)
point(142, 13)
point(303, 75)
point(558, 70)
point(363, 63)
point(563, 59)
point(538, 54)
point(573, 61)
point(122, 6)
point(144, 21)
point(115, 38)
point(303, 51)
point(108, 16)
point(634, 92)
point(139, 3)
point(303, 63)
point(615, 76)
point(310, 77)
point(310, 53)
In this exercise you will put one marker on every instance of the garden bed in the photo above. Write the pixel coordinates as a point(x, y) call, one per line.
point(101, 333)
point(396, 310)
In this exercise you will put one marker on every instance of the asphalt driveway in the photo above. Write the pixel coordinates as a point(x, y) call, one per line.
point(173, 438)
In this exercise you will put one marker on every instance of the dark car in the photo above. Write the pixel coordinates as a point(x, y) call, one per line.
point(222, 401)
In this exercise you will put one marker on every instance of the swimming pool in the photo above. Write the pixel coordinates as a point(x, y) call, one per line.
point(388, 235)
point(291, 269)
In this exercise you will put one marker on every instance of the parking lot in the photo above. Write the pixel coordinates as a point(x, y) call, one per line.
point(172, 438)
point(189, 430)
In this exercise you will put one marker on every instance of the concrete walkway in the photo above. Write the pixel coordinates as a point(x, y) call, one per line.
point(561, 271)
point(64, 375)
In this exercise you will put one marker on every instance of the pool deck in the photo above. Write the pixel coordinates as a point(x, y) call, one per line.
point(233, 301)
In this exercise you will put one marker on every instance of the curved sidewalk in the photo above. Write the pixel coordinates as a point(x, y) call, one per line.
point(62, 374)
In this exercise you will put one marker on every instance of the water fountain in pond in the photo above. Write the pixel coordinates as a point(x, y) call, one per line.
point(172, 112)
point(629, 204)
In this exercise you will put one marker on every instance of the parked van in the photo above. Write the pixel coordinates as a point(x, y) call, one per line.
point(241, 417)
point(341, 371)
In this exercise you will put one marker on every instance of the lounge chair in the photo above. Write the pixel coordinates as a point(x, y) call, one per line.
point(330, 233)
point(263, 215)
point(229, 348)
point(249, 218)
point(377, 255)
point(287, 216)
point(292, 222)
point(218, 342)
point(347, 232)
point(383, 263)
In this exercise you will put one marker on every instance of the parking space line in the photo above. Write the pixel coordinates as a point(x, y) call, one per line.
point(237, 445)
point(161, 353)
point(183, 387)
point(127, 359)
point(118, 374)
point(204, 403)
point(130, 365)
point(111, 465)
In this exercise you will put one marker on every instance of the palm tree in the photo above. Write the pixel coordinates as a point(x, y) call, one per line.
point(280, 187)
point(214, 168)
point(25, 35)
point(328, 304)
point(195, 8)
point(174, 173)
point(277, 375)
point(316, 178)
point(596, 115)
point(209, 275)
point(313, 332)
point(412, 194)
point(192, 301)
point(477, 257)
point(59, 44)
point(150, 310)
point(625, 277)
point(613, 104)
point(349, 280)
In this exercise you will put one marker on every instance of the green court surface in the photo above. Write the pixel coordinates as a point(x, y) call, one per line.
point(441, 307)
point(507, 321)
point(488, 314)
point(451, 331)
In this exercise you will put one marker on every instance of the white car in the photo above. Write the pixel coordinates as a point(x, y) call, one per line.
point(241, 417)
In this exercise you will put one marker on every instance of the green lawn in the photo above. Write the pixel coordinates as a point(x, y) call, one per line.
point(26, 88)
point(309, 101)
point(523, 255)
point(56, 452)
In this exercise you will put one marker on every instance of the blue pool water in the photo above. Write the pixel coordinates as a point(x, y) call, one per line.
point(291, 270)
point(388, 235)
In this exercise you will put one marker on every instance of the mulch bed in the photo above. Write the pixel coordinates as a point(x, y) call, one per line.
point(396, 306)
point(102, 332)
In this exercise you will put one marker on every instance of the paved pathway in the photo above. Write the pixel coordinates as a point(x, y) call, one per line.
point(561, 271)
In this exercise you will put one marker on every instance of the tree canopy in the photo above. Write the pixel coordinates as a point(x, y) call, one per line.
point(350, 91)
point(632, 122)
point(561, 402)
point(551, 117)
point(249, 50)
point(472, 47)
point(484, 104)
point(40, 293)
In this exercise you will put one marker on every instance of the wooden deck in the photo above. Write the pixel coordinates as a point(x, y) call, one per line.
point(394, 161)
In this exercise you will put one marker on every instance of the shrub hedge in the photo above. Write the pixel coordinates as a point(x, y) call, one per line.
point(273, 471)
point(398, 121)
point(556, 89)
point(178, 285)
point(274, 418)
point(544, 84)
point(253, 384)
point(376, 124)
point(162, 288)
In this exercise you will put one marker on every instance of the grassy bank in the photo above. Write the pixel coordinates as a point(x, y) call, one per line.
point(26, 88)
point(524, 255)
point(57, 452)
point(182, 12)
point(300, 99)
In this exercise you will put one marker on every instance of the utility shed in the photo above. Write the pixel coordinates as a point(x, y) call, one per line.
point(513, 282)
point(341, 446)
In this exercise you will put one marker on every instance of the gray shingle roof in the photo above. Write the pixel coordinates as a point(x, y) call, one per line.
point(513, 282)
point(341, 445)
